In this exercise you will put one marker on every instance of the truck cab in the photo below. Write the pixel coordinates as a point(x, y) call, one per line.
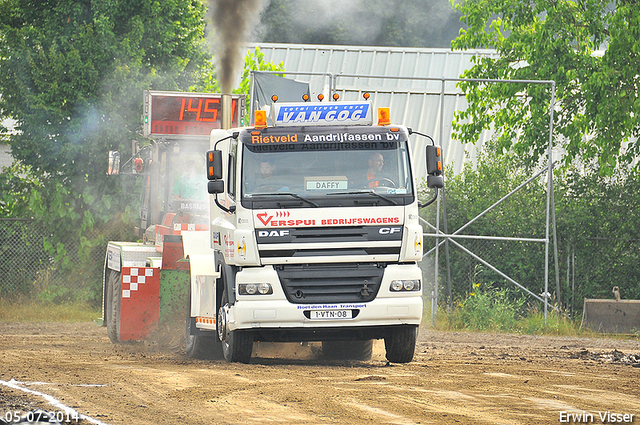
point(315, 234)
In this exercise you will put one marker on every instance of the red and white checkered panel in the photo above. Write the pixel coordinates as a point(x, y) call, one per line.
point(140, 302)
point(137, 276)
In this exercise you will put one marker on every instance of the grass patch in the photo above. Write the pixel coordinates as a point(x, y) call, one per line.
point(496, 310)
point(28, 310)
point(533, 324)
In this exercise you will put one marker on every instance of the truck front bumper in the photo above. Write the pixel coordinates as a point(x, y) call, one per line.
point(275, 318)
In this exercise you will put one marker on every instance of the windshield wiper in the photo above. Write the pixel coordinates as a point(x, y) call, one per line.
point(368, 192)
point(294, 195)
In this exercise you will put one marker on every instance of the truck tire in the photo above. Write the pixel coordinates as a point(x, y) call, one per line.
point(401, 344)
point(112, 306)
point(202, 347)
point(236, 345)
point(348, 350)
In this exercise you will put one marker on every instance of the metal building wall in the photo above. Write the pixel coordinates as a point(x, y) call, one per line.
point(413, 102)
point(5, 156)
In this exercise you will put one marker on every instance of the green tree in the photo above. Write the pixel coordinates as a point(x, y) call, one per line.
point(597, 228)
point(598, 104)
point(72, 76)
point(469, 193)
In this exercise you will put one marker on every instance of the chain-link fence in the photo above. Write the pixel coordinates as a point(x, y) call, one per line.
point(589, 267)
point(32, 266)
point(22, 256)
point(500, 244)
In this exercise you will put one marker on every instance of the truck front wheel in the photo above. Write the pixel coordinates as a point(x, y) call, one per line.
point(401, 344)
point(203, 347)
point(236, 345)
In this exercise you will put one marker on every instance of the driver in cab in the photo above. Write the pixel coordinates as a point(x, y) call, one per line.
point(376, 162)
point(267, 179)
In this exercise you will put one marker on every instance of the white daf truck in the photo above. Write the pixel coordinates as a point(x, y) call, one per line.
point(314, 235)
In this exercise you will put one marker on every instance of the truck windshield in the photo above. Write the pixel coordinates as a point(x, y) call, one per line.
point(327, 167)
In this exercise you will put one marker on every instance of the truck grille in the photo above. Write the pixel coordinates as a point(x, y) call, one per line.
point(330, 283)
point(301, 245)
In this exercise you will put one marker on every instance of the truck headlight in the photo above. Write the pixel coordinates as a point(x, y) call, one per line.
point(255, 289)
point(410, 285)
point(405, 285)
point(396, 285)
point(265, 288)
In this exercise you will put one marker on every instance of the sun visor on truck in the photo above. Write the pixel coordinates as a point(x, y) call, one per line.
point(266, 85)
point(321, 114)
point(324, 138)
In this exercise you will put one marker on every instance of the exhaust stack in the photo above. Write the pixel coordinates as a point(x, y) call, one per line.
point(227, 113)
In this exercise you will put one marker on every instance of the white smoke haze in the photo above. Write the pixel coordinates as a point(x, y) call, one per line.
point(233, 21)
point(323, 13)
point(320, 13)
point(412, 23)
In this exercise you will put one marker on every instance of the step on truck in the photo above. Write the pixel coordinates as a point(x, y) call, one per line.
point(314, 235)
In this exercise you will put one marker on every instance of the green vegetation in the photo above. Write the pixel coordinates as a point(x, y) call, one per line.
point(72, 76)
point(598, 100)
point(596, 124)
point(597, 220)
point(29, 310)
point(488, 309)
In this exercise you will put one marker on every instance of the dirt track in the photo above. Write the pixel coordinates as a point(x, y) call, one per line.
point(455, 378)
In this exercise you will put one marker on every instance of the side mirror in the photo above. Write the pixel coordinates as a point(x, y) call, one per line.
point(215, 186)
point(434, 167)
point(214, 166)
point(435, 182)
point(114, 163)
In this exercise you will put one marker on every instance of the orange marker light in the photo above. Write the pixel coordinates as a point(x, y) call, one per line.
point(384, 116)
point(320, 97)
point(260, 119)
point(336, 96)
point(274, 98)
point(305, 97)
point(366, 96)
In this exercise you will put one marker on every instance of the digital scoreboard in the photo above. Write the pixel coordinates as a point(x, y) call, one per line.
point(187, 114)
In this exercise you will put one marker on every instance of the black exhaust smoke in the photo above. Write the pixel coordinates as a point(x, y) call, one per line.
point(233, 20)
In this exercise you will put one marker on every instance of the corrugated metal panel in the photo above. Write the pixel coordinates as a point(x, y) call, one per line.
point(5, 150)
point(414, 101)
point(5, 156)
